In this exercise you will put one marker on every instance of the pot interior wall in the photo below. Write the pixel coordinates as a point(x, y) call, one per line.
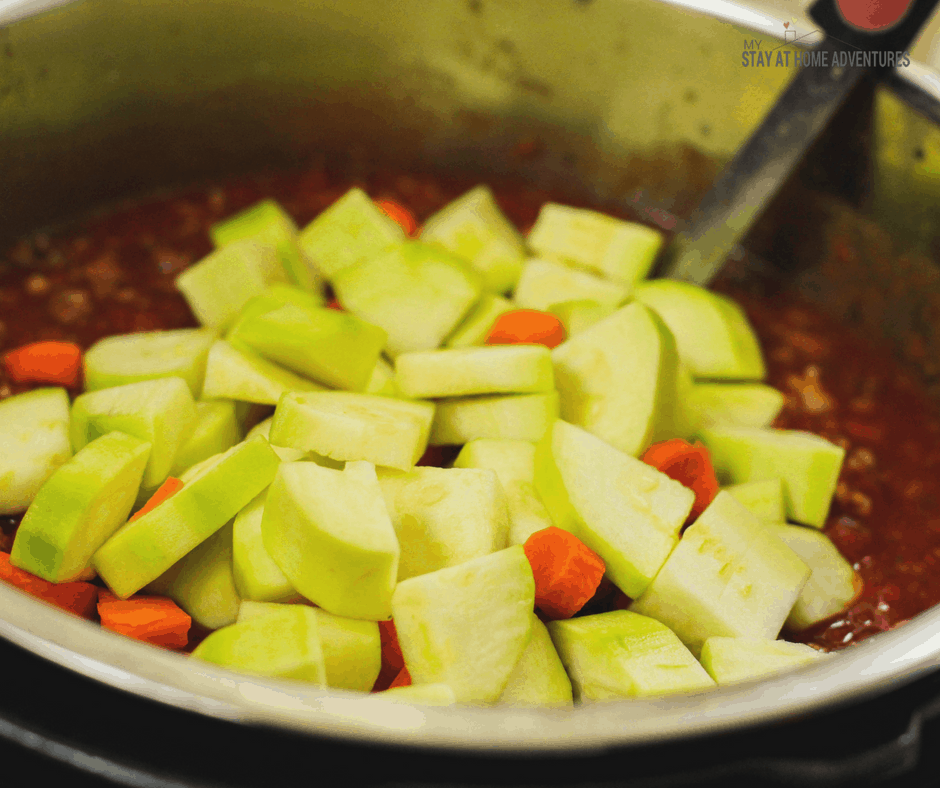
point(102, 100)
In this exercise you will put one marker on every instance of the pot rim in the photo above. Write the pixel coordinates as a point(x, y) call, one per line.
point(881, 664)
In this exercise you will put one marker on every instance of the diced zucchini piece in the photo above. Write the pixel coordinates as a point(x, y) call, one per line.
point(144, 549)
point(347, 426)
point(219, 285)
point(473, 227)
point(620, 250)
point(416, 292)
point(474, 652)
point(513, 461)
point(624, 655)
point(282, 644)
point(735, 404)
point(475, 327)
point(330, 534)
point(34, 441)
point(732, 660)
point(808, 464)
point(623, 509)
point(618, 379)
point(457, 372)
point(84, 501)
point(444, 516)
point(524, 417)
point(291, 455)
point(713, 335)
point(331, 347)
point(352, 229)
point(202, 582)
point(833, 585)
point(423, 694)
point(729, 576)
point(274, 297)
point(580, 314)
point(382, 380)
point(240, 374)
point(352, 649)
point(765, 499)
point(182, 353)
point(200, 467)
point(546, 282)
point(161, 412)
point(268, 223)
point(539, 678)
point(214, 431)
point(256, 575)
point(250, 609)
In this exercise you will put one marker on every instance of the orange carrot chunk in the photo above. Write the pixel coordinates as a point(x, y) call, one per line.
point(152, 619)
point(661, 453)
point(392, 659)
point(77, 597)
point(403, 679)
point(527, 327)
point(164, 491)
point(400, 214)
point(567, 572)
point(387, 675)
point(391, 650)
point(45, 362)
point(689, 465)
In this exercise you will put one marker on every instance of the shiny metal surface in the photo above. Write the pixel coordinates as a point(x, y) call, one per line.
point(101, 100)
point(759, 169)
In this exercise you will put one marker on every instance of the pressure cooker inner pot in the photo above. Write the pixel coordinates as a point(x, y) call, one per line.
point(631, 106)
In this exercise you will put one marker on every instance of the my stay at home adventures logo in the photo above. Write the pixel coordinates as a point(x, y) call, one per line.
point(867, 15)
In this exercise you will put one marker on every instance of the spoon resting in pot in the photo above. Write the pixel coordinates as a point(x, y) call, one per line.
point(859, 33)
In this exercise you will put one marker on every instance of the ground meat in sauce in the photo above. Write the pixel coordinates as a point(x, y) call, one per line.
point(115, 273)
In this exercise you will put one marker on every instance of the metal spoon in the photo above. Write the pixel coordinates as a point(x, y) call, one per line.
point(761, 167)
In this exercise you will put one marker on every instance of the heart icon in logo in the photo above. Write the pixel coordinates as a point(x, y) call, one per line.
point(786, 24)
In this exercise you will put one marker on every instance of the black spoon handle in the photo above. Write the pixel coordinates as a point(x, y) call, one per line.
point(762, 165)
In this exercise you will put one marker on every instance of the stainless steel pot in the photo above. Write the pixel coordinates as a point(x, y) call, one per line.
point(103, 99)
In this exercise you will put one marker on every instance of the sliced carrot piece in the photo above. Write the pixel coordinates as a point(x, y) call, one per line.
point(527, 327)
point(392, 659)
point(153, 619)
point(45, 362)
point(77, 597)
point(400, 214)
point(391, 650)
point(660, 453)
point(164, 491)
point(387, 675)
point(567, 572)
point(403, 679)
point(689, 465)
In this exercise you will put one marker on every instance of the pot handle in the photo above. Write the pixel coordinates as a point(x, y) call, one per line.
point(882, 25)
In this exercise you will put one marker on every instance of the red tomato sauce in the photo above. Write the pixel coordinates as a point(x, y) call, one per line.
point(114, 274)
